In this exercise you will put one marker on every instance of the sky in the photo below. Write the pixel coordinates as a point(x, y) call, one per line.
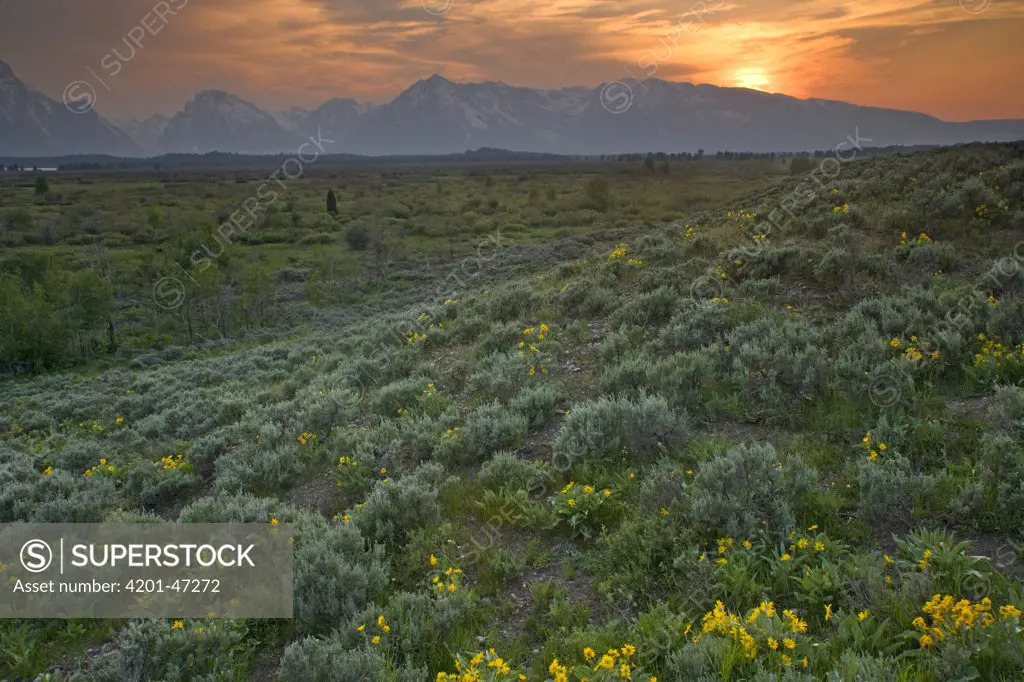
point(955, 59)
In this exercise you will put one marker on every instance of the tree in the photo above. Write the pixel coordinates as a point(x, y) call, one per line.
point(332, 202)
point(649, 162)
point(800, 164)
point(212, 303)
point(154, 217)
point(42, 186)
point(50, 315)
point(357, 236)
point(598, 193)
point(88, 310)
point(384, 243)
point(257, 296)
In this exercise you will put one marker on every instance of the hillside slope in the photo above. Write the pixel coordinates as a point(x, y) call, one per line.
point(743, 443)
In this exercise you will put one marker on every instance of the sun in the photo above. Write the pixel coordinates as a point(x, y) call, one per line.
point(753, 78)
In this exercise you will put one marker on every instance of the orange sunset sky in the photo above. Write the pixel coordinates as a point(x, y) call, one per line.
point(956, 60)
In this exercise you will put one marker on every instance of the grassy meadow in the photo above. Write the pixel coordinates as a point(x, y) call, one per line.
point(145, 243)
point(736, 421)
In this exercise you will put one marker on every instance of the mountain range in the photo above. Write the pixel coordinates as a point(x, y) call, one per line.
point(438, 116)
point(32, 124)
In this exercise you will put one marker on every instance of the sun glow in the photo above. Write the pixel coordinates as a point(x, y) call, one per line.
point(753, 78)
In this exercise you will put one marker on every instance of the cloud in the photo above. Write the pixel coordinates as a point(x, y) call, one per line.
point(917, 54)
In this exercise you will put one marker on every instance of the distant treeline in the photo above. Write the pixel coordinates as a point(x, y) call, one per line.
point(225, 161)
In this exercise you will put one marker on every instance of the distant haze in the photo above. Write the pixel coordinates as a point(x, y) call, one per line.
point(954, 59)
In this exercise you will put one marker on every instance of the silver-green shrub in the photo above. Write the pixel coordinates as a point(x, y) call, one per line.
point(336, 574)
point(396, 507)
point(225, 508)
point(501, 375)
point(505, 470)
point(611, 427)
point(206, 651)
point(537, 404)
point(491, 428)
point(314, 659)
point(747, 491)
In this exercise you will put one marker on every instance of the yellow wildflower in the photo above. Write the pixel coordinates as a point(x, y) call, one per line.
point(1009, 611)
